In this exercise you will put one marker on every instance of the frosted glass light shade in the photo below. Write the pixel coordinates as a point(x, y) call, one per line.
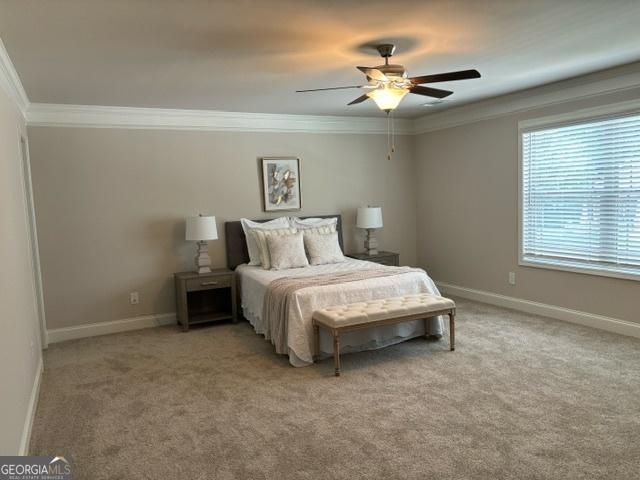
point(369, 217)
point(201, 228)
point(387, 98)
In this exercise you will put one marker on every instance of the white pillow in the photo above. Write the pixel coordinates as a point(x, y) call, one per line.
point(260, 236)
point(287, 251)
point(252, 247)
point(317, 225)
point(323, 248)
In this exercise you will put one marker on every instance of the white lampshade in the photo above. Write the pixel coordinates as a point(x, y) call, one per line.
point(369, 217)
point(201, 228)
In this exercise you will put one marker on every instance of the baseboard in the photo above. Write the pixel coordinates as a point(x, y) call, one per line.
point(609, 324)
point(104, 328)
point(31, 410)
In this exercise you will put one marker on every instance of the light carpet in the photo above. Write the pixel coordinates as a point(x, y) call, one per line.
point(522, 397)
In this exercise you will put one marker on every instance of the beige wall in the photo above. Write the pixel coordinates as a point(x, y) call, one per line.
point(111, 205)
point(467, 217)
point(19, 329)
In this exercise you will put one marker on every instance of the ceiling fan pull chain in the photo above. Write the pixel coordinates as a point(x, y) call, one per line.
point(388, 135)
point(393, 135)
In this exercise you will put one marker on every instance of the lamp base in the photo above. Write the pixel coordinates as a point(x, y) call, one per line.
point(371, 243)
point(203, 261)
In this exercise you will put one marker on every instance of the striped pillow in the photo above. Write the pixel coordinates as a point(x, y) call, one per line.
point(248, 225)
point(323, 230)
point(315, 225)
point(260, 236)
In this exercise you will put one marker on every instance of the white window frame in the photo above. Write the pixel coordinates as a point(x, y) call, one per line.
point(576, 117)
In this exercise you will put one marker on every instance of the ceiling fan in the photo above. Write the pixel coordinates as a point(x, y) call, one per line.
point(389, 83)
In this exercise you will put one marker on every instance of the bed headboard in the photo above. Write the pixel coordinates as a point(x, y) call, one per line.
point(237, 244)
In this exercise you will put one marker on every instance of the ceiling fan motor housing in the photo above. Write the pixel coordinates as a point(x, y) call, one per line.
point(392, 70)
point(386, 49)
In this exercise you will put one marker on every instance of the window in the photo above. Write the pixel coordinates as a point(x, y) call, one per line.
point(580, 196)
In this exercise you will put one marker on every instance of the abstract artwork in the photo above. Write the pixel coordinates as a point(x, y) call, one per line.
point(281, 183)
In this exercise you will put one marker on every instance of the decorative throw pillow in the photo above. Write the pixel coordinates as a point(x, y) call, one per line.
point(287, 251)
point(323, 248)
point(248, 226)
point(315, 225)
point(260, 236)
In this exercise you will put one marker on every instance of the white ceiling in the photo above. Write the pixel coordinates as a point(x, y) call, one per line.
point(250, 56)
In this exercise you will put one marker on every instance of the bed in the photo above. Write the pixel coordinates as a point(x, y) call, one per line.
point(254, 282)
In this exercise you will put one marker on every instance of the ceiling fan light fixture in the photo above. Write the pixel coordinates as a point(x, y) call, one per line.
point(387, 97)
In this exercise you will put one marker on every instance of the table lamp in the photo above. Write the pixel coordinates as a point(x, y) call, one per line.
point(370, 218)
point(201, 229)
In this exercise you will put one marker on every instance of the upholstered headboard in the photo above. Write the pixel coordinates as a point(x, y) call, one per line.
point(237, 244)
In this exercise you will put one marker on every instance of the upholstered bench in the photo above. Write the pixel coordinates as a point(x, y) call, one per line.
point(374, 313)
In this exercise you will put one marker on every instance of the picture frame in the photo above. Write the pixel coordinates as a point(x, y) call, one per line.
point(281, 187)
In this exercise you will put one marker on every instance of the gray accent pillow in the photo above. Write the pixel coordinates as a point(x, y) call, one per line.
point(287, 251)
point(323, 248)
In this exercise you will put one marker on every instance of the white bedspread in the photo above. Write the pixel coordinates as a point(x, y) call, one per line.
point(254, 282)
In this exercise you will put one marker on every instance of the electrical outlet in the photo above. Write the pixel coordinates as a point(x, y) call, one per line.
point(512, 278)
point(134, 298)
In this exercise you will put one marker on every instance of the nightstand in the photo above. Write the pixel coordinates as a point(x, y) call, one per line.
point(384, 258)
point(205, 297)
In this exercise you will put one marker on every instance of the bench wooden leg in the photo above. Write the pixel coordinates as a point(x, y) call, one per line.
point(452, 330)
point(316, 341)
point(426, 328)
point(336, 353)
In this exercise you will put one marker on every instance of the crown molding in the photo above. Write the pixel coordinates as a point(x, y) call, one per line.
point(585, 87)
point(10, 81)
point(579, 88)
point(89, 116)
point(610, 81)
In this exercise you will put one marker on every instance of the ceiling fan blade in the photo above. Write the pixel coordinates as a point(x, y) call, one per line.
point(374, 73)
point(332, 88)
point(446, 77)
point(430, 92)
point(360, 99)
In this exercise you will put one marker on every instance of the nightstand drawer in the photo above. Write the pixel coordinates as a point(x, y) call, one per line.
point(383, 258)
point(391, 261)
point(207, 283)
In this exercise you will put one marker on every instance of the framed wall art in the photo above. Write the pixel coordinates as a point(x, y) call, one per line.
point(281, 183)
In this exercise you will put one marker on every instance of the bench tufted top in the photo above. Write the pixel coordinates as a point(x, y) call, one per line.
point(383, 309)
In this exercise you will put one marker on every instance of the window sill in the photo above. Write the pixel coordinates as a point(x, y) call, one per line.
point(548, 265)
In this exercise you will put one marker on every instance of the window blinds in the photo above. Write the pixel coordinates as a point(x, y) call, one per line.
point(581, 195)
